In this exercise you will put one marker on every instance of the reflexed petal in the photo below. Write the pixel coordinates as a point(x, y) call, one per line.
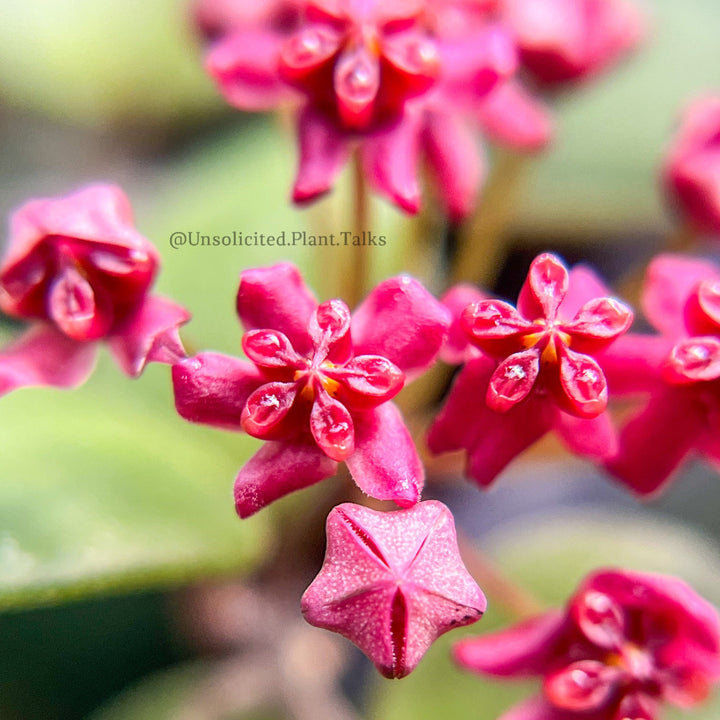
point(402, 321)
point(521, 650)
point(693, 360)
point(464, 415)
point(45, 356)
point(454, 156)
point(583, 685)
point(457, 349)
point(511, 116)
point(266, 411)
point(545, 288)
point(277, 469)
point(390, 161)
point(150, 335)
point(594, 438)
point(366, 381)
point(271, 349)
point(385, 464)
point(212, 389)
point(513, 380)
point(244, 64)
point(324, 151)
point(330, 331)
point(658, 439)
point(277, 298)
point(332, 426)
point(583, 384)
point(669, 282)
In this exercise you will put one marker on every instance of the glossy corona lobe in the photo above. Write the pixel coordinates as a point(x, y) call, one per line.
point(77, 265)
point(691, 174)
point(627, 643)
point(319, 385)
point(392, 582)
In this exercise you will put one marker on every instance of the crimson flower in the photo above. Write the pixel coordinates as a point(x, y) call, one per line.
point(626, 643)
point(394, 80)
point(532, 371)
point(392, 583)
point(318, 385)
point(679, 370)
point(568, 40)
point(79, 271)
point(691, 174)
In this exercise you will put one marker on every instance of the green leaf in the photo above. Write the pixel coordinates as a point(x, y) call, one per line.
point(549, 556)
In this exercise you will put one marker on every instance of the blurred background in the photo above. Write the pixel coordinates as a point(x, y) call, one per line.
point(128, 588)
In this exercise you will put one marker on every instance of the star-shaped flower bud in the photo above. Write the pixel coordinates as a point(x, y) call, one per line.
point(76, 267)
point(626, 643)
point(392, 582)
point(539, 350)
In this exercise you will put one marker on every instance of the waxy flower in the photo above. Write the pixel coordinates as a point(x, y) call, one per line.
point(691, 175)
point(568, 40)
point(392, 582)
point(679, 369)
point(392, 80)
point(627, 643)
point(79, 271)
point(533, 371)
point(319, 385)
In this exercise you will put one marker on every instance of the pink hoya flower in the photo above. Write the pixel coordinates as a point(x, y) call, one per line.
point(393, 80)
point(216, 18)
point(79, 271)
point(392, 583)
point(679, 370)
point(691, 175)
point(531, 370)
point(318, 385)
point(568, 40)
point(627, 643)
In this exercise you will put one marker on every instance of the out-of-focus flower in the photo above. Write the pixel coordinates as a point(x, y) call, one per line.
point(679, 370)
point(533, 371)
point(691, 175)
point(215, 18)
point(569, 40)
point(627, 643)
point(319, 385)
point(76, 267)
point(393, 80)
point(392, 582)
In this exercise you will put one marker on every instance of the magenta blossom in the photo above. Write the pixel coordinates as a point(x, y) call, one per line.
point(691, 175)
point(531, 370)
point(569, 40)
point(679, 371)
point(76, 267)
point(381, 78)
point(318, 385)
point(392, 582)
point(627, 643)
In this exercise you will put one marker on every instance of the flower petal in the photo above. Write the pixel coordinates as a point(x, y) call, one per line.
point(457, 349)
point(332, 426)
point(657, 440)
point(330, 332)
point(212, 389)
point(271, 349)
point(696, 359)
point(598, 323)
point(385, 464)
point(402, 321)
point(244, 64)
point(150, 335)
point(538, 708)
point(277, 298)
point(367, 381)
point(583, 685)
point(545, 288)
point(669, 281)
point(390, 162)
point(455, 160)
point(495, 326)
point(511, 116)
point(277, 469)
point(356, 81)
point(584, 285)
point(593, 438)
point(513, 380)
point(324, 151)
point(521, 650)
point(584, 387)
point(44, 356)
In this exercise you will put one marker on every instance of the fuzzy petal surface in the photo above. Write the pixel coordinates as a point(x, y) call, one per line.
point(457, 349)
